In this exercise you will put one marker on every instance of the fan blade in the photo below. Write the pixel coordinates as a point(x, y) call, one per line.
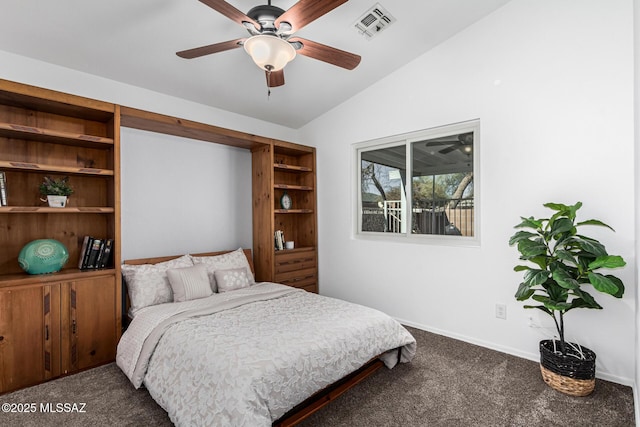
point(448, 149)
point(209, 49)
point(306, 11)
point(442, 142)
point(275, 78)
point(230, 12)
point(326, 53)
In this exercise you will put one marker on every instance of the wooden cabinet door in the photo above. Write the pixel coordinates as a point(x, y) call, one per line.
point(29, 335)
point(89, 323)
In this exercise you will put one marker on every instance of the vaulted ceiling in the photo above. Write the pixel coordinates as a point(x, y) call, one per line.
point(135, 41)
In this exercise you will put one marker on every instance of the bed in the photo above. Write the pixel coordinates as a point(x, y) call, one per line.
point(244, 353)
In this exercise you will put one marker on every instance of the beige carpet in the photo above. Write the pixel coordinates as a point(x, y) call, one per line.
point(449, 383)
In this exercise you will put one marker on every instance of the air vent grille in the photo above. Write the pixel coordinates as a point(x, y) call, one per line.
point(374, 21)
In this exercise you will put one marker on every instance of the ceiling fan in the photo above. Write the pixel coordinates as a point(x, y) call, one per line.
point(463, 142)
point(271, 45)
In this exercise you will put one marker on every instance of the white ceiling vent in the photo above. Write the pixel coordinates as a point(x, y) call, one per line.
point(374, 21)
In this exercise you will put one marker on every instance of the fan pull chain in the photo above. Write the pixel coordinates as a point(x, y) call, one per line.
point(269, 82)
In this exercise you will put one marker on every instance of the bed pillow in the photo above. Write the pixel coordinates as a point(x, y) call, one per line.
point(148, 284)
point(235, 259)
point(189, 283)
point(231, 279)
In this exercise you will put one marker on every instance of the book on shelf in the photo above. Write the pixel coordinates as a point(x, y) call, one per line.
point(95, 253)
point(3, 189)
point(84, 253)
point(279, 240)
point(105, 253)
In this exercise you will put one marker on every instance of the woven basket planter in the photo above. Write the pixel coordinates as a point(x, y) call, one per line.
point(566, 373)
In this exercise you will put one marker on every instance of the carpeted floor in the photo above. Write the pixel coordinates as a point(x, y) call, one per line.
point(449, 383)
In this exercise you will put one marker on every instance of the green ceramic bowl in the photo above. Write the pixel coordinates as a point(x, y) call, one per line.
point(43, 256)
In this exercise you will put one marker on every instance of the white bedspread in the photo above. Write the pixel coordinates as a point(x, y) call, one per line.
point(246, 357)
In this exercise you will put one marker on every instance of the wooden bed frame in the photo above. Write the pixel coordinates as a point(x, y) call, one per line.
point(314, 402)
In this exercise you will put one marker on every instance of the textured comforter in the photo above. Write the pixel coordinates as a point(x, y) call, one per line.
point(246, 357)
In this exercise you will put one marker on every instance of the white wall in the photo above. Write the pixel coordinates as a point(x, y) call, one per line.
point(552, 84)
point(183, 196)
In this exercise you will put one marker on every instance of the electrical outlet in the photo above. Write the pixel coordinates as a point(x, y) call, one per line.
point(501, 311)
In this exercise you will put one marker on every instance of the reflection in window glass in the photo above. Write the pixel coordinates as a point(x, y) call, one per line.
point(383, 173)
point(421, 183)
point(442, 185)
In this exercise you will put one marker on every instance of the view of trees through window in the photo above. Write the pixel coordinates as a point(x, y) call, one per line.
point(441, 192)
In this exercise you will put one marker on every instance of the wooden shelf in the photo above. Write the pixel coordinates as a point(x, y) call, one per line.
point(16, 131)
point(39, 167)
point(69, 274)
point(45, 132)
point(293, 211)
point(35, 98)
point(300, 249)
point(47, 209)
point(293, 187)
point(291, 168)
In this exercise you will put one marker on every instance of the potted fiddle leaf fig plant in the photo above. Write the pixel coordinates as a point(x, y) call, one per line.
point(563, 267)
point(56, 190)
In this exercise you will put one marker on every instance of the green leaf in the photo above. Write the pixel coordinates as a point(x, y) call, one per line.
point(565, 279)
point(524, 292)
point(604, 284)
point(520, 235)
point(542, 308)
point(607, 261)
point(568, 210)
point(580, 303)
point(521, 268)
point(531, 248)
point(584, 259)
point(594, 222)
point(585, 300)
point(562, 225)
point(535, 277)
point(557, 207)
point(540, 261)
point(566, 256)
point(593, 247)
point(541, 298)
point(557, 306)
point(555, 291)
point(530, 222)
point(618, 283)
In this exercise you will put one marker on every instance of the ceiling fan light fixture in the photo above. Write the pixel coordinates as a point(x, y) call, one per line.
point(269, 52)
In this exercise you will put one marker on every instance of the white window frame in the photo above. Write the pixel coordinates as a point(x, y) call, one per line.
point(407, 139)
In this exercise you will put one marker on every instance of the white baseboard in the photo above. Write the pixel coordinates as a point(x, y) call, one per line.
point(514, 352)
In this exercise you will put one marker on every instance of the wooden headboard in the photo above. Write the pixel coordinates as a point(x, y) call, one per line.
point(155, 260)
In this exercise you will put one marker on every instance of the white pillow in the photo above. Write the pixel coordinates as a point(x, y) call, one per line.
point(235, 259)
point(189, 283)
point(148, 284)
point(231, 279)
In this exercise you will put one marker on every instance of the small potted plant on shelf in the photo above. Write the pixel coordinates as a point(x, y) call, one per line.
point(56, 190)
point(563, 262)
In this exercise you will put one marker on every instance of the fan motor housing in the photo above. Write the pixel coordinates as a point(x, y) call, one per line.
point(265, 15)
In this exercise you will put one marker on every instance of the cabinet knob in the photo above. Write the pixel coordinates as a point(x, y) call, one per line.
point(92, 353)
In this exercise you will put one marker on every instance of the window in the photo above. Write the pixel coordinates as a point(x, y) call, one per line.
point(420, 185)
